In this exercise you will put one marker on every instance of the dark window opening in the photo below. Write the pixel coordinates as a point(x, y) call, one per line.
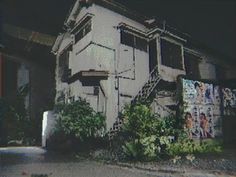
point(191, 65)
point(152, 54)
point(127, 39)
point(64, 71)
point(171, 54)
point(78, 36)
point(133, 41)
point(96, 90)
point(141, 44)
point(83, 31)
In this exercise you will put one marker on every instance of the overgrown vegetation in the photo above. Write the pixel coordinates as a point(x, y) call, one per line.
point(145, 136)
point(78, 125)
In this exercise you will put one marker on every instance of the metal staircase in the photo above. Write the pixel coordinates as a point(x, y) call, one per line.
point(143, 94)
point(148, 87)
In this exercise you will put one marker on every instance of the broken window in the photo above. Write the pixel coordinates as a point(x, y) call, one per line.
point(83, 31)
point(133, 41)
point(171, 54)
point(191, 65)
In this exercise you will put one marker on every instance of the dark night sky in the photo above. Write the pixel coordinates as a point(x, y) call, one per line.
point(212, 22)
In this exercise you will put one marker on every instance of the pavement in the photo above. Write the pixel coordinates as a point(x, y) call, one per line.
point(37, 162)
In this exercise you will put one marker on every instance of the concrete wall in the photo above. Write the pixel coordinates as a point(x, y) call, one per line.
point(207, 70)
point(48, 125)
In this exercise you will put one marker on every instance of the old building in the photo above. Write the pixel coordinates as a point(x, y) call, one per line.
point(113, 56)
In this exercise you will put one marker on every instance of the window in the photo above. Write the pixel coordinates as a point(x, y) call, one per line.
point(127, 39)
point(133, 41)
point(171, 54)
point(140, 43)
point(191, 65)
point(64, 71)
point(83, 31)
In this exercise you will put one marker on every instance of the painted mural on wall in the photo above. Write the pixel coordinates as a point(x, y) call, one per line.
point(201, 109)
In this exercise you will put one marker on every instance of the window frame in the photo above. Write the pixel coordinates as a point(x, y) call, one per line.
point(83, 30)
point(81, 27)
point(133, 42)
point(172, 64)
point(190, 59)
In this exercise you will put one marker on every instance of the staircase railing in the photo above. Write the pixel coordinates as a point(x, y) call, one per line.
point(143, 93)
point(148, 87)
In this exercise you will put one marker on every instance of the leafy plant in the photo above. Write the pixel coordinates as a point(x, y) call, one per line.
point(142, 129)
point(144, 136)
point(187, 146)
point(132, 149)
point(78, 120)
point(149, 146)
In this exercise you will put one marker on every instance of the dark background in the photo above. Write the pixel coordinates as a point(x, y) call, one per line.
point(212, 22)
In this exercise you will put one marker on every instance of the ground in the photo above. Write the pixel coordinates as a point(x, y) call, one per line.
point(37, 162)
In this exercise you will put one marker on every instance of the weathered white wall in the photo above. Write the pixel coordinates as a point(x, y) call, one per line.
point(133, 61)
point(100, 49)
point(48, 126)
point(207, 70)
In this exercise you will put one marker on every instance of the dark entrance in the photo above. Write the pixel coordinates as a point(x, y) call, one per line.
point(152, 54)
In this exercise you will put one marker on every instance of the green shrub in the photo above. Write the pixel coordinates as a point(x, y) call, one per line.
point(150, 147)
point(144, 135)
point(147, 137)
point(78, 120)
point(133, 149)
point(188, 146)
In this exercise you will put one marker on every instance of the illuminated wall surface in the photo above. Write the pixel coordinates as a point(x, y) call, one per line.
point(206, 103)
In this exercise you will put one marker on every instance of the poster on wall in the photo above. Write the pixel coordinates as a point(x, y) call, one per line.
point(199, 121)
point(208, 94)
point(216, 94)
point(195, 92)
point(201, 102)
point(204, 106)
point(229, 101)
